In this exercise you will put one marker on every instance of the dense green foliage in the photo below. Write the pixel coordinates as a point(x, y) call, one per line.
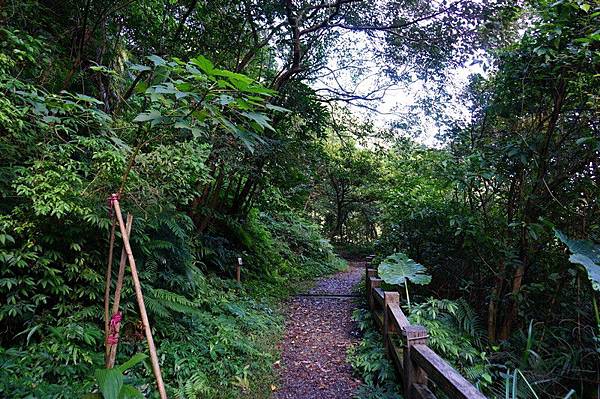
point(481, 213)
point(222, 126)
point(157, 137)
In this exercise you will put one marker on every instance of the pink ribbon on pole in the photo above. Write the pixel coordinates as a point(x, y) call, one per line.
point(111, 203)
point(113, 335)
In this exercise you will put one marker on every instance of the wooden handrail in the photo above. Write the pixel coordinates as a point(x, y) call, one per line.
point(378, 294)
point(454, 384)
point(398, 318)
point(414, 361)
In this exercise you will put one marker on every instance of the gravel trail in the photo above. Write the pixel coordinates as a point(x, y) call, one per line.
point(318, 332)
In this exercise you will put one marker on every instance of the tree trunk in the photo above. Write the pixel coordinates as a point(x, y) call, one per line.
point(493, 309)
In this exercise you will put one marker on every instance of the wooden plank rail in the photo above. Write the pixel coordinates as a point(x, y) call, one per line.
point(378, 294)
point(397, 316)
point(454, 384)
point(419, 368)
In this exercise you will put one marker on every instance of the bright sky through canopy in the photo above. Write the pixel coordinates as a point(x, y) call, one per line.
point(356, 74)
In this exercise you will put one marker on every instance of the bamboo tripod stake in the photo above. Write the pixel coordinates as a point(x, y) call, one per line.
point(108, 280)
point(140, 299)
point(111, 349)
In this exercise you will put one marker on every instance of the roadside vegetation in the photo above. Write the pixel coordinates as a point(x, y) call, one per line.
point(228, 132)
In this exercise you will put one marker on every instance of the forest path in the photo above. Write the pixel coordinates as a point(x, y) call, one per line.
point(318, 332)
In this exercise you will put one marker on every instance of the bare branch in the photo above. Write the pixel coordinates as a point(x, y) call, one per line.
point(284, 76)
point(184, 19)
point(385, 28)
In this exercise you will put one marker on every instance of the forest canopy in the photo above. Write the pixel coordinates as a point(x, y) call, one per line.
point(250, 129)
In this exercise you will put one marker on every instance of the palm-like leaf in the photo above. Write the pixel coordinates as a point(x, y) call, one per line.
point(398, 268)
point(585, 253)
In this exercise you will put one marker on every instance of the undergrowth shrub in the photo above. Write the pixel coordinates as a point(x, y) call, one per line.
point(291, 250)
point(62, 155)
point(218, 350)
point(369, 361)
point(456, 335)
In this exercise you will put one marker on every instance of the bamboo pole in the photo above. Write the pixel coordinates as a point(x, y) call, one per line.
point(112, 348)
point(140, 299)
point(111, 247)
point(122, 263)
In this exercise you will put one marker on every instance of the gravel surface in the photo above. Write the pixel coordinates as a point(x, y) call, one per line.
point(319, 330)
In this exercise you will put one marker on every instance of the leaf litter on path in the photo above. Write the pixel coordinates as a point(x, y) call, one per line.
point(319, 330)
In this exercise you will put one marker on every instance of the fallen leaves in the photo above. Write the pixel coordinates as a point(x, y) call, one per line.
point(319, 331)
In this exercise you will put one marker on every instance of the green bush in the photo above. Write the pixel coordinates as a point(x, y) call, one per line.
point(291, 250)
point(61, 158)
point(370, 363)
point(456, 335)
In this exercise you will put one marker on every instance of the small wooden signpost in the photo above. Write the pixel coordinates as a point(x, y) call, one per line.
point(238, 270)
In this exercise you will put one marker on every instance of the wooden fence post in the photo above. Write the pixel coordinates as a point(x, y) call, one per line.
point(368, 261)
point(370, 273)
point(413, 374)
point(388, 326)
point(373, 283)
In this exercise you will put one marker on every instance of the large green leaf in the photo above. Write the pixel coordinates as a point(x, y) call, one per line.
point(204, 64)
point(156, 60)
point(585, 253)
point(130, 392)
point(110, 382)
point(397, 268)
point(260, 118)
point(147, 116)
point(137, 358)
point(276, 108)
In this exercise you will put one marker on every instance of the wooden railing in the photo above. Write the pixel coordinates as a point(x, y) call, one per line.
point(417, 365)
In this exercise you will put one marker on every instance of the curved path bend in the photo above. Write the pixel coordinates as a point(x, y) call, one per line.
point(318, 332)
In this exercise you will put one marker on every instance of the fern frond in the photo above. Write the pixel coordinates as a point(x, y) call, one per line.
point(196, 387)
point(173, 301)
point(155, 307)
